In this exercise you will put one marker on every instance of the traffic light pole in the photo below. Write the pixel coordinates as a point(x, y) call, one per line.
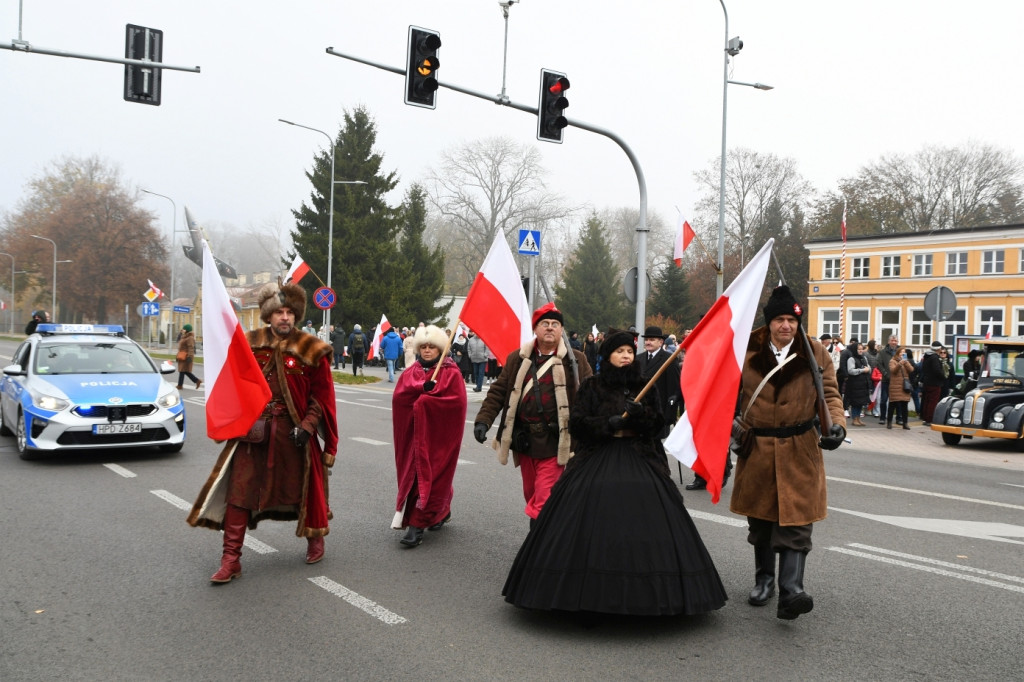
point(501, 100)
point(24, 46)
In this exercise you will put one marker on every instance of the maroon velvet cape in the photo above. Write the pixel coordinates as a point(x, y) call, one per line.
point(428, 429)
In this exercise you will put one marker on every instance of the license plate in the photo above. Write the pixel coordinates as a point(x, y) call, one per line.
point(104, 429)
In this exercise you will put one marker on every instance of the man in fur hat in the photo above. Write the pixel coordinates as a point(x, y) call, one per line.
point(780, 485)
point(533, 394)
point(278, 471)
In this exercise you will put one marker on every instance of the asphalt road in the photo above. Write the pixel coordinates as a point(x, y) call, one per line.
point(918, 573)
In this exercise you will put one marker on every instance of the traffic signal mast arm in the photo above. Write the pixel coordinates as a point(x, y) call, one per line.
point(24, 46)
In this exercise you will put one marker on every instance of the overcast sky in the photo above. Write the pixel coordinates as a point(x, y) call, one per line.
point(853, 81)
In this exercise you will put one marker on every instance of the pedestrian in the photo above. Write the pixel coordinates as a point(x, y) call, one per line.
point(357, 345)
point(780, 485)
point(972, 369)
point(429, 416)
point(871, 355)
point(858, 382)
point(915, 381)
point(933, 379)
point(37, 317)
point(186, 354)
point(408, 347)
point(309, 329)
point(391, 349)
point(277, 471)
point(884, 357)
point(338, 346)
point(476, 349)
point(900, 388)
point(615, 536)
point(533, 396)
point(650, 360)
point(590, 349)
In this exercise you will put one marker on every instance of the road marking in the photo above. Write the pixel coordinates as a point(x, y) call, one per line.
point(120, 470)
point(369, 441)
point(925, 492)
point(729, 521)
point(250, 542)
point(1013, 484)
point(360, 602)
point(363, 403)
point(969, 569)
point(929, 569)
point(980, 530)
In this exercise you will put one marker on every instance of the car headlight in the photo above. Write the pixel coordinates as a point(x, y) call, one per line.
point(49, 402)
point(998, 417)
point(954, 412)
point(169, 399)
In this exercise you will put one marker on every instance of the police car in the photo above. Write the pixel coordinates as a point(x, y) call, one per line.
point(75, 386)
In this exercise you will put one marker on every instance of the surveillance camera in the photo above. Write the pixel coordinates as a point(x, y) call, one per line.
point(734, 46)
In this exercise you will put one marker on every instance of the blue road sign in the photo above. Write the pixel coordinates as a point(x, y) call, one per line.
point(150, 309)
point(182, 309)
point(324, 298)
point(529, 242)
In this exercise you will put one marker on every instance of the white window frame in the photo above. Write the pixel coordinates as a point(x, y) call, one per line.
point(920, 327)
point(993, 262)
point(859, 324)
point(956, 325)
point(828, 321)
point(830, 268)
point(890, 267)
point(956, 263)
point(886, 326)
point(861, 267)
point(1018, 320)
point(923, 264)
point(994, 325)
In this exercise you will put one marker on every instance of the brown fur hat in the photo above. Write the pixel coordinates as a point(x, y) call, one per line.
point(277, 295)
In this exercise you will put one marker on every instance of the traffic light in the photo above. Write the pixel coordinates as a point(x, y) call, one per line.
point(141, 83)
point(550, 120)
point(421, 72)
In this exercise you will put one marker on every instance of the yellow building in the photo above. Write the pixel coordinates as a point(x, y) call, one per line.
point(887, 278)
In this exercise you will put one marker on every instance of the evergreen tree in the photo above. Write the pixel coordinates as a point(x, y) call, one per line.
point(420, 269)
point(365, 227)
point(670, 296)
point(591, 288)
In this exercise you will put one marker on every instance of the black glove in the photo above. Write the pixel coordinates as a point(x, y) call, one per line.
point(480, 432)
point(633, 408)
point(834, 439)
point(299, 436)
point(428, 386)
point(616, 422)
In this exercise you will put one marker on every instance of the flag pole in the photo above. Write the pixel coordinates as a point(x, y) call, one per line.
point(447, 346)
point(661, 370)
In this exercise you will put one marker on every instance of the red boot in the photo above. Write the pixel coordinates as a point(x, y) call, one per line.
point(235, 521)
point(314, 550)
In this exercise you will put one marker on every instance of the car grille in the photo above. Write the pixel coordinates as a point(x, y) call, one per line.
point(89, 438)
point(103, 411)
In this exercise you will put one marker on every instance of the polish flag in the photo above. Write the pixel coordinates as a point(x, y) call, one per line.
point(156, 291)
point(711, 375)
point(236, 391)
point(684, 235)
point(382, 329)
point(496, 307)
point(297, 271)
point(3, 305)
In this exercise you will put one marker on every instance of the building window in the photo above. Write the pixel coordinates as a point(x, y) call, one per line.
point(991, 262)
point(861, 268)
point(923, 265)
point(830, 322)
point(889, 322)
point(956, 263)
point(831, 268)
point(920, 328)
point(956, 325)
point(1018, 321)
point(860, 325)
point(990, 321)
point(890, 266)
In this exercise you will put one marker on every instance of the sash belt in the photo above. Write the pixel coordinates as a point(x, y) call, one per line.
point(785, 431)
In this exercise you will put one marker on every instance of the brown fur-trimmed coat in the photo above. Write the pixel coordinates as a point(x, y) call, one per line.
point(783, 479)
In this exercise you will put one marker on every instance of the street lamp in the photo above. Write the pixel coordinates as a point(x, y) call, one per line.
point(174, 223)
point(14, 298)
point(330, 212)
point(53, 295)
point(732, 48)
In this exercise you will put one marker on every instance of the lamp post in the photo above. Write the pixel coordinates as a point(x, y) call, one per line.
point(53, 295)
point(330, 212)
point(174, 223)
point(732, 48)
point(14, 298)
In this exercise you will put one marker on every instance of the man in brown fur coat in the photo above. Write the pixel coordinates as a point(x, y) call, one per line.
point(780, 485)
point(279, 470)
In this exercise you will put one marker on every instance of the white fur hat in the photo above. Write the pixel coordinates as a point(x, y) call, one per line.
point(431, 334)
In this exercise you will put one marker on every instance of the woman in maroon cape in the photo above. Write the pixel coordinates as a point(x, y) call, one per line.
point(429, 416)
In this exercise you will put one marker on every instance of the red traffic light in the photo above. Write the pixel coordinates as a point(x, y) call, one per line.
point(559, 86)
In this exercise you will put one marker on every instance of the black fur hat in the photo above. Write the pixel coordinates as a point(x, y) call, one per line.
point(782, 302)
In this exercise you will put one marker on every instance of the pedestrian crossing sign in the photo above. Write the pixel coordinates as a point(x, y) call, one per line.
point(529, 242)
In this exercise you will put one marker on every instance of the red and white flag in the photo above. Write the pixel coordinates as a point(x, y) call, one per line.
point(684, 235)
point(156, 291)
point(3, 305)
point(236, 391)
point(382, 329)
point(297, 271)
point(496, 308)
point(711, 375)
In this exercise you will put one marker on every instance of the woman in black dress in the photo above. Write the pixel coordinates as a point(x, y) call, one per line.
point(615, 537)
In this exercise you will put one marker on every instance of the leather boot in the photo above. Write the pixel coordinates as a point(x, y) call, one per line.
point(314, 550)
point(413, 537)
point(792, 599)
point(235, 521)
point(857, 421)
point(764, 576)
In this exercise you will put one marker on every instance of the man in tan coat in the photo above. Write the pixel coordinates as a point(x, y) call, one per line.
point(780, 486)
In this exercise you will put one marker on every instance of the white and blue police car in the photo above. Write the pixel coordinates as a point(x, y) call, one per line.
point(84, 386)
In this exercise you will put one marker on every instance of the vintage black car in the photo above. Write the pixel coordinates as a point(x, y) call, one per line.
point(994, 408)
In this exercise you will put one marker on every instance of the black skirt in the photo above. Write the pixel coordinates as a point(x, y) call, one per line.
point(615, 537)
